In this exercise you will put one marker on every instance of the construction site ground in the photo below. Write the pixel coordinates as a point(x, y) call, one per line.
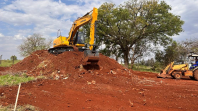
point(108, 86)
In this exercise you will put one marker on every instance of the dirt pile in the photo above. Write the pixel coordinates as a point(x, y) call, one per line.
point(102, 87)
point(3, 68)
point(41, 63)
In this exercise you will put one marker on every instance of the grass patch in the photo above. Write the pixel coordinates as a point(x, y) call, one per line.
point(19, 108)
point(143, 68)
point(8, 63)
point(14, 79)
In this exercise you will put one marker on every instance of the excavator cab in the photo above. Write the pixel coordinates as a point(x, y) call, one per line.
point(79, 39)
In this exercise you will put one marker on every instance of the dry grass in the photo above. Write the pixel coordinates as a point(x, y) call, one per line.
point(19, 108)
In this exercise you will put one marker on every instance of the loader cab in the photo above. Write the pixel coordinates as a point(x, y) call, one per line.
point(193, 61)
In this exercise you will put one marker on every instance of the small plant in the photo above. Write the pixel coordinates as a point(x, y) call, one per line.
point(40, 77)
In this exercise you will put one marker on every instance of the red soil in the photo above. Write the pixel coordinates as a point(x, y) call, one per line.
point(106, 86)
point(3, 69)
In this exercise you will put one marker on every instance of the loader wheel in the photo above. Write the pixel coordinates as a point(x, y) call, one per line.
point(191, 77)
point(177, 75)
point(195, 75)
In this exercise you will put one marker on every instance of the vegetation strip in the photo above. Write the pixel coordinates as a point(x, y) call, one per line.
point(14, 79)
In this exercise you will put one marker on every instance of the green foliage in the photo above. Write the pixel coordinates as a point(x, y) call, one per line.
point(169, 54)
point(150, 62)
point(127, 30)
point(144, 68)
point(159, 56)
point(157, 67)
point(8, 63)
point(33, 43)
point(13, 57)
point(14, 79)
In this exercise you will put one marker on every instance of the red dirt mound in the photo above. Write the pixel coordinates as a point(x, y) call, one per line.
point(42, 63)
point(2, 69)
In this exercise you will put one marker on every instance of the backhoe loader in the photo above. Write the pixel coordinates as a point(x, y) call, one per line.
point(75, 40)
point(177, 71)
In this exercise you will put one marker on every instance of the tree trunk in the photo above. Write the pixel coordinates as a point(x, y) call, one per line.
point(116, 57)
point(132, 61)
point(0, 58)
point(126, 59)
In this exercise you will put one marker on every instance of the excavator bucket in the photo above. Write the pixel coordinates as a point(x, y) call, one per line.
point(91, 57)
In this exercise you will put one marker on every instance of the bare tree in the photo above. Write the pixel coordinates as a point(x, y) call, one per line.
point(186, 47)
point(33, 43)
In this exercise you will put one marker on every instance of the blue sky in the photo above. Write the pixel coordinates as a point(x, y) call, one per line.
point(22, 18)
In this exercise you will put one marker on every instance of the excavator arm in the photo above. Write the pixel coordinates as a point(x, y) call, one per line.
point(90, 55)
point(82, 21)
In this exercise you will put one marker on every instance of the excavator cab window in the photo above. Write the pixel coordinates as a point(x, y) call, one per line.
point(79, 38)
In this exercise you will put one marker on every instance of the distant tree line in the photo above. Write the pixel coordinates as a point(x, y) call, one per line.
point(176, 51)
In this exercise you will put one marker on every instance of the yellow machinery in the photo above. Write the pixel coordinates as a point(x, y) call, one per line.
point(177, 71)
point(75, 40)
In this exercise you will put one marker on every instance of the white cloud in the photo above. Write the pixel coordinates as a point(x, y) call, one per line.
point(1, 35)
point(47, 16)
point(18, 36)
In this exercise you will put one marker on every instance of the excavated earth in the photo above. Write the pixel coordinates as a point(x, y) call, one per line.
point(69, 85)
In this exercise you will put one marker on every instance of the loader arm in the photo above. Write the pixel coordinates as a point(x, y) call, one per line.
point(167, 70)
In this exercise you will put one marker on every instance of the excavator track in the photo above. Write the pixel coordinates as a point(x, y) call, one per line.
point(59, 50)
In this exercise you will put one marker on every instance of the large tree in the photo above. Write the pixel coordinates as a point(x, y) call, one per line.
point(134, 25)
point(33, 43)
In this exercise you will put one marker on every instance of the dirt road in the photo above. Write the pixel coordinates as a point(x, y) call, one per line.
point(106, 92)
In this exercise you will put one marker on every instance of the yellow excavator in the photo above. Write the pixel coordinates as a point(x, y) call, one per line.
point(75, 40)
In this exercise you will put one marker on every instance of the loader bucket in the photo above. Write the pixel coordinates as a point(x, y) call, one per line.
point(162, 74)
point(165, 73)
point(91, 56)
